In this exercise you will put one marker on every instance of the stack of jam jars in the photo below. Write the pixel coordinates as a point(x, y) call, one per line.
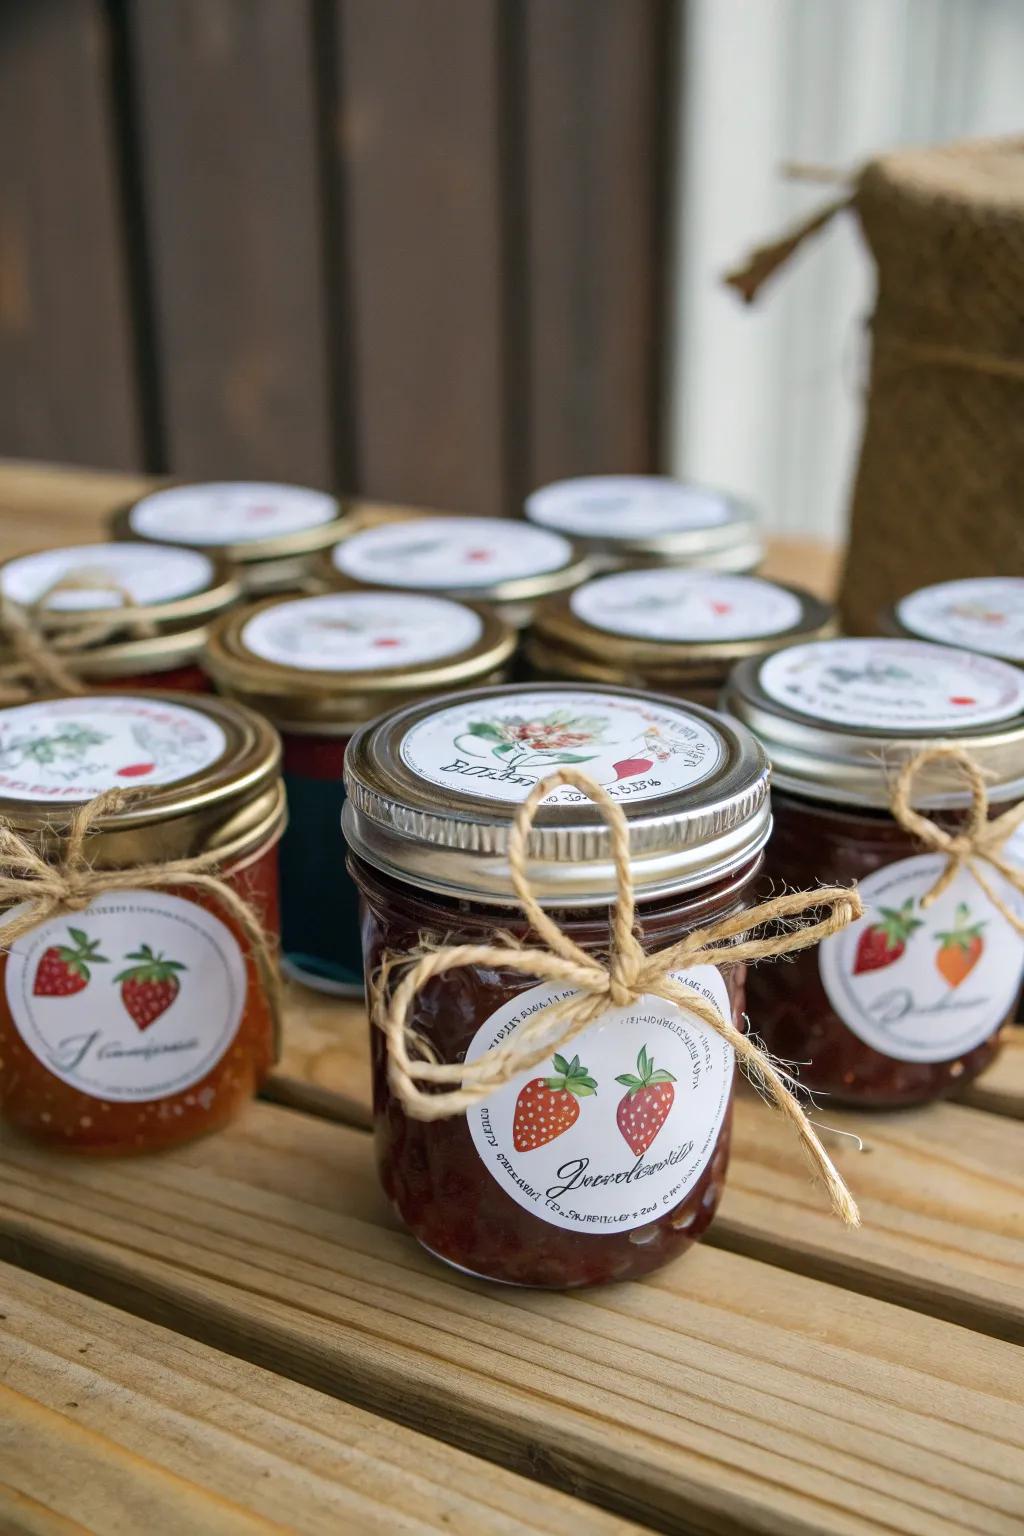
point(980, 613)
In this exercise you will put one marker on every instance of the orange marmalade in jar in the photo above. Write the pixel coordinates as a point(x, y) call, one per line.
point(138, 1018)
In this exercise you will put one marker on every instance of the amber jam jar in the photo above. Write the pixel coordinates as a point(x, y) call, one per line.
point(609, 1159)
point(268, 535)
point(980, 613)
point(634, 520)
point(908, 1002)
point(671, 630)
point(142, 1020)
point(493, 562)
point(319, 667)
point(123, 615)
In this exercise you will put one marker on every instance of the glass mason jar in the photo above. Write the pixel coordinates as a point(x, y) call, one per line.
point(672, 630)
point(609, 1158)
point(981, 613)
point(496, 563)
point(319, 667)
point(144, 629)
point(634, 520)
point(142, 1020)
point(268, 535)
point(907, 1003)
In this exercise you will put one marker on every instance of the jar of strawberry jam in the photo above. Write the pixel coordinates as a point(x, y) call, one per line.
point(980, 613)
point(609, 1158)
point(319, 667)
point(140, 1019)
point(669, 629)
point(907, 1003)
point(120, 615)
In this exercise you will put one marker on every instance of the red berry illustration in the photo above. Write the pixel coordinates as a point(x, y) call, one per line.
point(64, 968)
point(644, 1109)
point(149, 987)
point(477, 556)
point(721, 607)
point(630, 766)
point(960, 947)
point(884, 942)
point(962, 698)
point(135, 770)
point(385, 642)
point(548, 1106)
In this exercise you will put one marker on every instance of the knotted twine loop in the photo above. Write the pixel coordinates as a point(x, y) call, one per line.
point(629, 974)
point(72, 883)
point(981, 839)
point(44, 663)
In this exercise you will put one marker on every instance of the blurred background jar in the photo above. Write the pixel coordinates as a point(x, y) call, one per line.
point(980, 613)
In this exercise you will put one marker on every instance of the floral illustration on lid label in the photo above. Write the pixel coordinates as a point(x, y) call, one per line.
point(626, 506)
point(73, 749)
point(230, 512)
point(450, 553)
point(904, 685)
point(924, 983)
point(361, 631)
point(570, 1146)
point(144, 575)
point(502, 746)
point(138, 999)
point(981, 614)
point(673, 605)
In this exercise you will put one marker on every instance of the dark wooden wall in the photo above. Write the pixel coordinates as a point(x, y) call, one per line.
point(410, 248)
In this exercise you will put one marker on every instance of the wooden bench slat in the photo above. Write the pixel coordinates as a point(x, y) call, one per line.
point(721, 1395)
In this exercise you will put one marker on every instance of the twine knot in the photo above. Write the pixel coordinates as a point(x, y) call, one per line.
point(432, 1090)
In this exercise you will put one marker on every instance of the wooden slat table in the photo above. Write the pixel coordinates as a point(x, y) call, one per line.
point(238, 1336)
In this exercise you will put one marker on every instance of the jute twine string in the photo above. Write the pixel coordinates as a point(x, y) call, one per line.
point(46, 663)
point(70, 884)
point(979, 842)
point(628, 975)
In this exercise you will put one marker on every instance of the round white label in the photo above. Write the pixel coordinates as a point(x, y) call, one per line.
point(982, 614)
point(616, 1134)
point(136, 998)
point(73, 749)
point(230, 512)
point(500, 747)
point(924, 983)
point(904, 685)
point(627, 506)
point(143, 575)
point(450, 553)
point(361, 631)
point(673, 605)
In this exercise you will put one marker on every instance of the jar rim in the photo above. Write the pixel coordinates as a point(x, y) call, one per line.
point(733, 537)
point(911, 615)
point(240, 552)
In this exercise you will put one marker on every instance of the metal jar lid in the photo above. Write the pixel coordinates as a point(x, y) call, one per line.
point(839, 717)
point(979, 613)
point(243, 522)
point(433, 792)
point(650, 519)
point(325, 664)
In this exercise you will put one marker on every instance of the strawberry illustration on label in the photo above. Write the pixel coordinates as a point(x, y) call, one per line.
point(149, 987)
point(630, 766)
point(885, 941)
point(385, 642)
point(644, 1109)
point(478, 556)
point(721, 608)
point(65, 968)
point(960, 947)
point(135, 770)
point(548, 1106)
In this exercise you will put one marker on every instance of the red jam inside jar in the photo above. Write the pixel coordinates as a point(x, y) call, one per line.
point(908, 1003)
point(608, 1159)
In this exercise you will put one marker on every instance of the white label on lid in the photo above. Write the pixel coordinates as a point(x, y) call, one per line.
point(137, 997)
point(627, 506)
point(674, 605)
point(230, 512)
point(584, 1151)
point(142, 574)
point(500, 747)
point(982, 614)
point(450, 553)
point(361, 631)
point(902, 685)
point(73, 749)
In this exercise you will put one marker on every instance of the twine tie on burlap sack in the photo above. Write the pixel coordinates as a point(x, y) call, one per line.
point(981, 839)
point(45, 663)
point(46, 889)
point(629, 974)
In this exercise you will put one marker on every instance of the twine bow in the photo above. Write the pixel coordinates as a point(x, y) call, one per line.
point(980, 840)
point(628, 975)
point(44, 663)
point(72, 883)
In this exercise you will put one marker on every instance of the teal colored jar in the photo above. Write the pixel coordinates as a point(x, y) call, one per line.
point(319, 668)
